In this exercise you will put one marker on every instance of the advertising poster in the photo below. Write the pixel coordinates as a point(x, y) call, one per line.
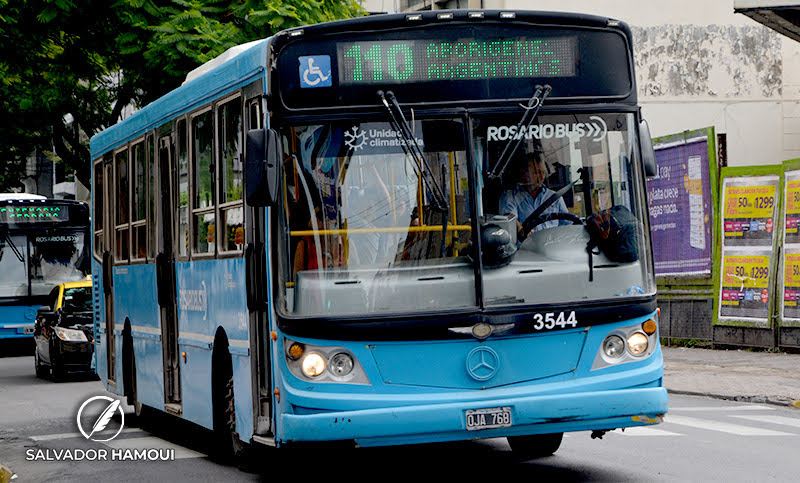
point(791, 284)
point(745, 284)
point(748, 210)
point(680, 206)
point(792, 217)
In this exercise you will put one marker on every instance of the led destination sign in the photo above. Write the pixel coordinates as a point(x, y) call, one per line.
point(32, 214)
point(426, 60)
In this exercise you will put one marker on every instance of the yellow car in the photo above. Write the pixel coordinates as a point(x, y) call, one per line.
point(64, 331)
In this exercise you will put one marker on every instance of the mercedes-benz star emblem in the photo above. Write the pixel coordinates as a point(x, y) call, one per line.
point(482, 363)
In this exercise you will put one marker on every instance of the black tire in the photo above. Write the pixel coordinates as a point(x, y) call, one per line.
point(228, 448)
point(56, 373)
point(41, 371)
point(536, 445)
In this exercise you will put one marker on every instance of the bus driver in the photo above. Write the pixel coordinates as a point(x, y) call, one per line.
point(530, 193)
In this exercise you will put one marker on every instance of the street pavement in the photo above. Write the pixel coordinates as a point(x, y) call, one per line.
point(738, 375)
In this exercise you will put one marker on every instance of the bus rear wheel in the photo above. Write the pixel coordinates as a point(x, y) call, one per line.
point(228, 447)
point(536, 445)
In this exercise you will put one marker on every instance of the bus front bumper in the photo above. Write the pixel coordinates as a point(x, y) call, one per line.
point(16, 331)
point(540, 414)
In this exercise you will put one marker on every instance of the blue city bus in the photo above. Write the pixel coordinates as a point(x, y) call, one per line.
point(394, 229)
point(43, 242)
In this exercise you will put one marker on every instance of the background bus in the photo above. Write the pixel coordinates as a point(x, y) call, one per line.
point(356, 273)
point(43, 242)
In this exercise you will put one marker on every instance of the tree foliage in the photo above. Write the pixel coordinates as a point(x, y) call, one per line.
point(68, 68)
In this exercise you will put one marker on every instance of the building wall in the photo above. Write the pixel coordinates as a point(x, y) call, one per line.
point(699, 64)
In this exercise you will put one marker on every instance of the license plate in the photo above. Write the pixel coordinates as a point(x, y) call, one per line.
point(27, 330)
point(488, 418)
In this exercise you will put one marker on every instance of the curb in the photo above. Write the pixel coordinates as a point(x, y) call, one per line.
point(774, 400)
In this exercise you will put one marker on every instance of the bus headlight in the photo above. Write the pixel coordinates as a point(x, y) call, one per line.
point(322, 364)
point(313, 365)
point(341, 364)
point(70, 335)
point(614, 346)
point(627, 344)
point(637, 343)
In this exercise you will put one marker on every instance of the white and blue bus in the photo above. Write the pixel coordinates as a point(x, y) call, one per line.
point(394, 229)
point(43, 242)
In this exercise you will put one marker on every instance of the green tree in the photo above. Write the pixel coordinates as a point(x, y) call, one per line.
point(69, 68)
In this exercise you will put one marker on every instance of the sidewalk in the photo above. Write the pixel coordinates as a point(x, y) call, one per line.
point(739, 375)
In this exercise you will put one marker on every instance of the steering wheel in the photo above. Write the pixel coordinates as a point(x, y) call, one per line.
point(536, 219)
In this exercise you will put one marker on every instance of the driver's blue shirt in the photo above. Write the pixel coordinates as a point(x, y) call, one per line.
point(519, 202)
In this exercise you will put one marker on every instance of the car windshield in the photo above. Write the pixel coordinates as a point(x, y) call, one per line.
point(56, 257)
point(78, 299)
point(362, 230)
point(563, 221)
point(13, 277)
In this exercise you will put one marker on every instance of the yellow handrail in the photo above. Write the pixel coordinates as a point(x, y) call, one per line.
point(389, 229)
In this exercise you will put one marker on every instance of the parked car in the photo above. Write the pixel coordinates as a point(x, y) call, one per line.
point(64, 331)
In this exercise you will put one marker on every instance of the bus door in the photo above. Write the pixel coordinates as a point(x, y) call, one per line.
point(255, 255)
point(108, 267)
point(165, 270)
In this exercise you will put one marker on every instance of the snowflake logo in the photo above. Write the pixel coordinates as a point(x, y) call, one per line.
point(355, 139)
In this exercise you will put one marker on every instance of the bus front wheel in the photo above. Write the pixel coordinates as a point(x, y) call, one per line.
point(536, 445)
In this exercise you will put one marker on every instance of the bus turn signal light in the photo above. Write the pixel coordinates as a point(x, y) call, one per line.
point(649, 327)
point(295, 351)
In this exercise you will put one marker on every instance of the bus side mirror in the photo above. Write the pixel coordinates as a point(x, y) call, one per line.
point(262, 172)
point(648, 154)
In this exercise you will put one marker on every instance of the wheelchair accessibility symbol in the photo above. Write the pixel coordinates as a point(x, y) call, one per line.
point(315, 71)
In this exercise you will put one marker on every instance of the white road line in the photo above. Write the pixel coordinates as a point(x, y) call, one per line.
point(51, 437)
point(645, 431)
point(722, 426)
point(750, 407)
point(152, 442)
point(768, 419)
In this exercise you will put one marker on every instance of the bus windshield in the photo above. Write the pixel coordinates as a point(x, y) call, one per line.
point(56, 257)
point(578, 171)
point(364, 233)
point(13, 280)
point(49, 257)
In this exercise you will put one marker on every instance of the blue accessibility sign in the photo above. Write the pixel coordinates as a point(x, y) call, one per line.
point(315, 71)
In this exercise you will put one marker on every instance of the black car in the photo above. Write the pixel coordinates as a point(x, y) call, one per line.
point(64, 331)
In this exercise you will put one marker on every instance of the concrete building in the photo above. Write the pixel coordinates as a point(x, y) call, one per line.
point(699, 64)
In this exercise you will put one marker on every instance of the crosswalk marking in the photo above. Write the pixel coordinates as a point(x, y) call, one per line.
point(750, 407)
point(152, 442)
point(52, 437)
point(769, 419)
point(722, 426)
point(645, 431)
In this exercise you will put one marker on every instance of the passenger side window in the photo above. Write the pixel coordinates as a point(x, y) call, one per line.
point(151, 197)
point(139, 209)
point(204, 222)
point(183, 190)
point(122, 214)
point(99, 207)
point(230, 135)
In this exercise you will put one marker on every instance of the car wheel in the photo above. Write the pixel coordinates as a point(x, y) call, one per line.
point(56, 372)
point(41, 371)
point(536, 445)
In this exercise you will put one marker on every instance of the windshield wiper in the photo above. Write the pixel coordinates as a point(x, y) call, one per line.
point(409, 144)
point(412, 149)
point(531, 110)
point(7, 238)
